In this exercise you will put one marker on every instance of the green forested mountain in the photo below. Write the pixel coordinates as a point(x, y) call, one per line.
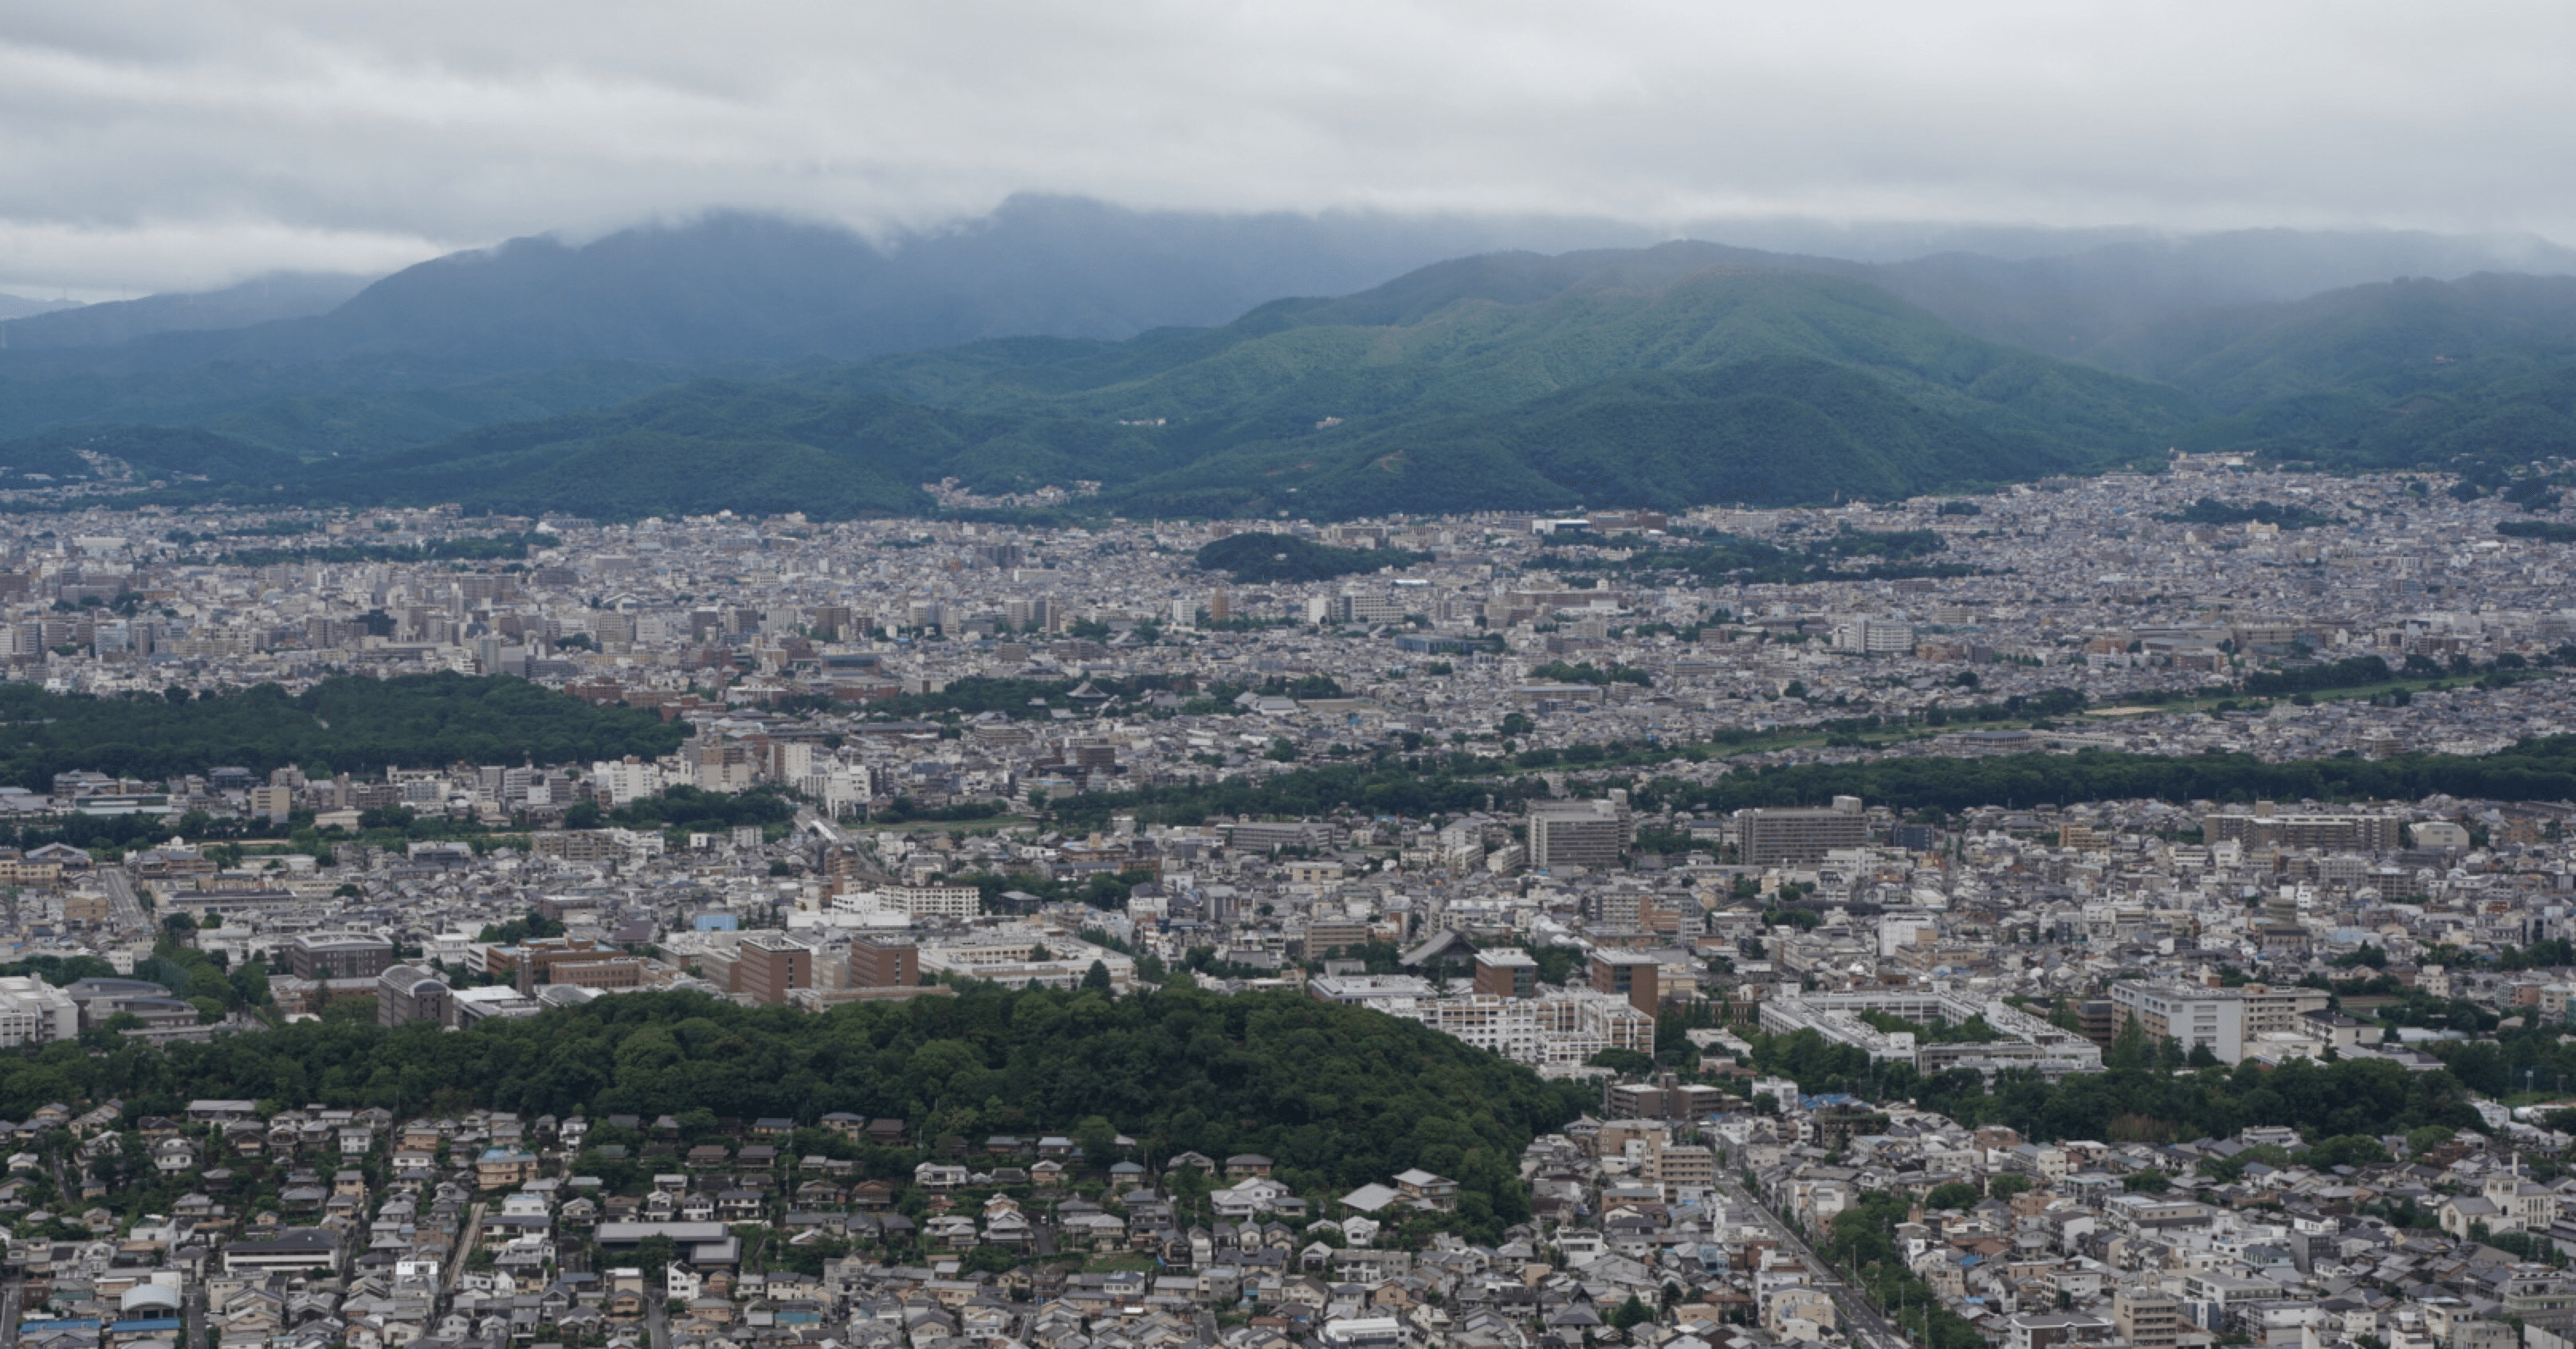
point(1665, 376)
point(2399, 337)
point(2477, 374)
point(1660, 376)
point(718, 444)
point(146, 453)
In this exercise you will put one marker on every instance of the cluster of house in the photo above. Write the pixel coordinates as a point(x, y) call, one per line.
point(1652, 1224)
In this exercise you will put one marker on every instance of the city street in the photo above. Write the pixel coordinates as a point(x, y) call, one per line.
point(125, 910)
point(1862, 1323)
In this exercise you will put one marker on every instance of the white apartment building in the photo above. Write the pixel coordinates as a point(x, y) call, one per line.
point(2187, 1013)
point(626, 781)
point(33, 1012)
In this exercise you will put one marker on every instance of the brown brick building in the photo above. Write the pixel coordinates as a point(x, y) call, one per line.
point(769, 967)
point(884, 962)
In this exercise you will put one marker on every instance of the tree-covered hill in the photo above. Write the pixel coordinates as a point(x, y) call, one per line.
point(1512, 381)
point(1658, 376)
point(750, 447)
point(2473, 375)
point(2397, 337)
point(145, 453)
point(1667, 376)
point(344, 724)
point(1336, 1096)
point(1268, 559)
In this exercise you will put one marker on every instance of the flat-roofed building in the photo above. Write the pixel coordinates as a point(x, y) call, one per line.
point(338, 955)
point(1589, 834)
point(33, 1012)
point(2187, 1013)
point(2147, 1318)
point(1774, 834)
point(884, 962)
point(2329, 832)
point(466, 1006)
point(297, 1250)
point(934, 901)
point(2277, 1010)
point(1633, 975)
point(768, 967)
point(1684, 1170)
point(569, 960)
point(1506, 974)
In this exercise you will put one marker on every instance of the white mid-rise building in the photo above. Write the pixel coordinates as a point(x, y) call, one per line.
point(33, 1012)
point(2188, 1013)
point(624, 782)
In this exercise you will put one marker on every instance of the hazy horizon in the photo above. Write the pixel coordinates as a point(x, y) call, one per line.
point(155, 147)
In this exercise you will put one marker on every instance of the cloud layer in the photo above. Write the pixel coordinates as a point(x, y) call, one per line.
point(150, 145)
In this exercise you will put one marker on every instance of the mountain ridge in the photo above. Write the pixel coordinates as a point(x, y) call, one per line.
point(1497, 381)
point(1666, 375)
point(729, 289)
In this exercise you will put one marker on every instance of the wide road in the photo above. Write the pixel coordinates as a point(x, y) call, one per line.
point(1862, 1323)
point(123, 909)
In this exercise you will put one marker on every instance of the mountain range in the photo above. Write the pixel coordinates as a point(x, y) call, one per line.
point(767, 365)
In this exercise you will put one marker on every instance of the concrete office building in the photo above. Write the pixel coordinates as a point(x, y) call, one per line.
point(2146, 1318)
point(2265, 826)
point(574, 960)
point(409, 993)
point(33, 1012)
point(770, 966)
point(1506, 974)
point(1632, 975)
point(338, 955)
point(1589, 834)
point(2187, 1013)
point(1772, 835)
point(884, 962)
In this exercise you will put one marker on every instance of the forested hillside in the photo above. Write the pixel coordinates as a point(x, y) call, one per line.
point(755, 448)
point(2476, 375)
point(1667, 376)
point(1670, 376)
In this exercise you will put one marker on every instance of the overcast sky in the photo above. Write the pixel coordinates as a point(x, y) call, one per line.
point(163, 145)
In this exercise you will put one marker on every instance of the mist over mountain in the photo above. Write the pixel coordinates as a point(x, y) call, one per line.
point(741, 287)
point(1446, 371)
point(733, 287)
point(2475, 375)
point(19, 306)
point(278, 295)
point(1667, 376)
point(2075, 304)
